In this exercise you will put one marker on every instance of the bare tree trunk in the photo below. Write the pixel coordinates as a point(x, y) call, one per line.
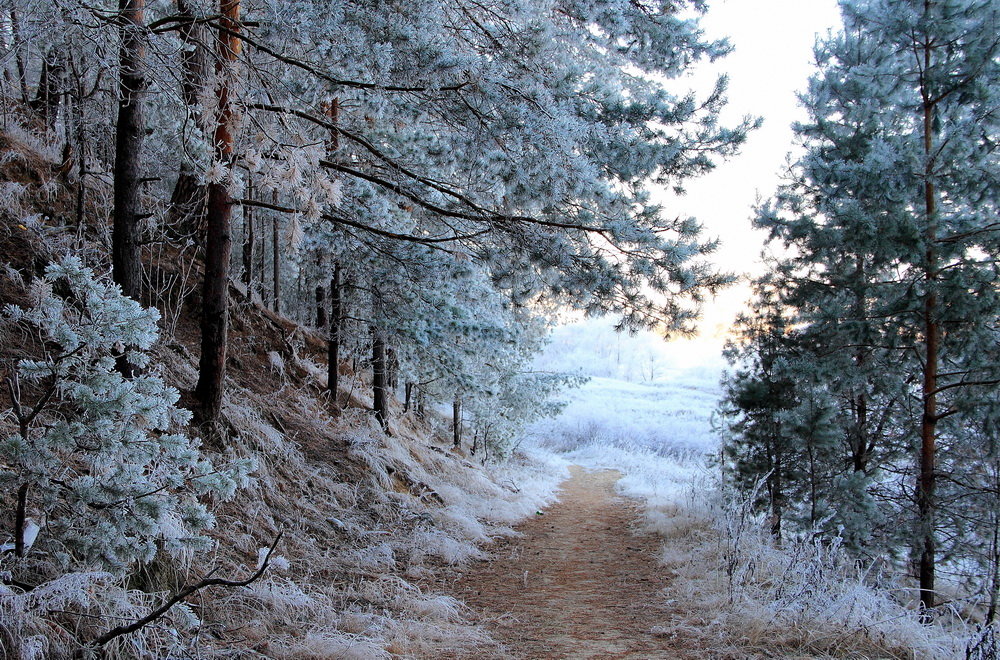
point(15, 27)
point(79, 136)
point(421, 403)
point(456, 422)
point(19, 519)
point(991, 613)
point(320, 306)
point(187, 202)
point(126, 266)
point(215, 299)
point(392, 369)
point(294, 311)
point(378, 378)
point(777, 494)
point(276, 258)
point(249, 241)
point(333, 345)
point(408, 397)
point(46, 101)
point(926, 482)
point(336, 299)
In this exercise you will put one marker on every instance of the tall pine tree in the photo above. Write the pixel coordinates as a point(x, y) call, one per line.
point(892, 215)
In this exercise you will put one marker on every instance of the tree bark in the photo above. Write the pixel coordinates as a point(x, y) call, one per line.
point(991, 612)
point(126, 268)
point(19, 519)
point(392, 368)
point(15, 27)
point(215, 299)
point(320, 306)
point(249, 241)
point(187, 202)
point(408, 397)
point(926, 482)
point(276, 258)
point(777, 492)
point(336, 300)
point(81, 153)
point(378, 378)
point(46, 101)
point(456, 422)
point(333, 345)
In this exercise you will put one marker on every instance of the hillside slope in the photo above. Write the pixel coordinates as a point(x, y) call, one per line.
point(361, 513)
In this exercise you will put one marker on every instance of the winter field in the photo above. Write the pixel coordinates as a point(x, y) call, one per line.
point(647, 412)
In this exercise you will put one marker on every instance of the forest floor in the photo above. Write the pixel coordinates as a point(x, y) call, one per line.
point(580, 581)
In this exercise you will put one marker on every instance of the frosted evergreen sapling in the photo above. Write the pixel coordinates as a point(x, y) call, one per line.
point(98, 456)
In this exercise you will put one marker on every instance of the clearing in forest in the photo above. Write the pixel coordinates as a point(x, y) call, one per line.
point(580, 582)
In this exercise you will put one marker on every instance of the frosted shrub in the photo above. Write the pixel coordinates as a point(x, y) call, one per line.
point(88, 452)
point(808, 594)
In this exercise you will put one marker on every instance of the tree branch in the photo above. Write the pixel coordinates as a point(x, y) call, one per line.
point(310, 68)
point(426, 240)
point(184, 593)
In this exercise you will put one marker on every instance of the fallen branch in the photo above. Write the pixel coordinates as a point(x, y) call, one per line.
point(208, 581)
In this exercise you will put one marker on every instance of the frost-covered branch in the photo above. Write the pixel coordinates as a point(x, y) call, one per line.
point(184, 593)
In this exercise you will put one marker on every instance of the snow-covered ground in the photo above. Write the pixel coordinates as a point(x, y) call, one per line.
point(646, 410)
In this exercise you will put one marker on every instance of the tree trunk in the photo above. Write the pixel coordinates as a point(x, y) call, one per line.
point(320, 306)
point(15, 28)
point(333, 345)
point(276, 258)
point(126, 268)
point(392, 369)
point(19, 519)
point(777, 493)
point(81, 154)
point(861, 441)
point(421, 403)
point(297, 313)
point(46, 101)
point(215, 299)
point(456, 422)
point(408, 397)
point(991, 612)
point(378, 378)
point(249, 241)
point(186, 212)
point(336, 300)
point(926, 482)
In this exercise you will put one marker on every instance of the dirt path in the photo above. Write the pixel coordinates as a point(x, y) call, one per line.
point(578, 584)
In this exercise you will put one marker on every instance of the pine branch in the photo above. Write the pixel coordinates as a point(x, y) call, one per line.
point(314, 70)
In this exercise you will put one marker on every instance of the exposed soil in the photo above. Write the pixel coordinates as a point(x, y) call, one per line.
point(580, 581)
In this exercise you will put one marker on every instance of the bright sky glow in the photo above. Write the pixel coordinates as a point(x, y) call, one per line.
point(771, 63)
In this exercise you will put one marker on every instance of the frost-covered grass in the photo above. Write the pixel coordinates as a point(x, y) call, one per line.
point(366, 519)
point(361, 541)
point(733, 589)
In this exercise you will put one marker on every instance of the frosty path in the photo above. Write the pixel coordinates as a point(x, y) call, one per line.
point(577, 584)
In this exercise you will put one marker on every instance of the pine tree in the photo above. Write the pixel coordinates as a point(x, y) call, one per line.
point(98, 455)
point(891, 214)
point(218, 247)
point(129, 133)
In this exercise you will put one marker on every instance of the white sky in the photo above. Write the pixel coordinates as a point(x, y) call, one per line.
point(771, 63)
